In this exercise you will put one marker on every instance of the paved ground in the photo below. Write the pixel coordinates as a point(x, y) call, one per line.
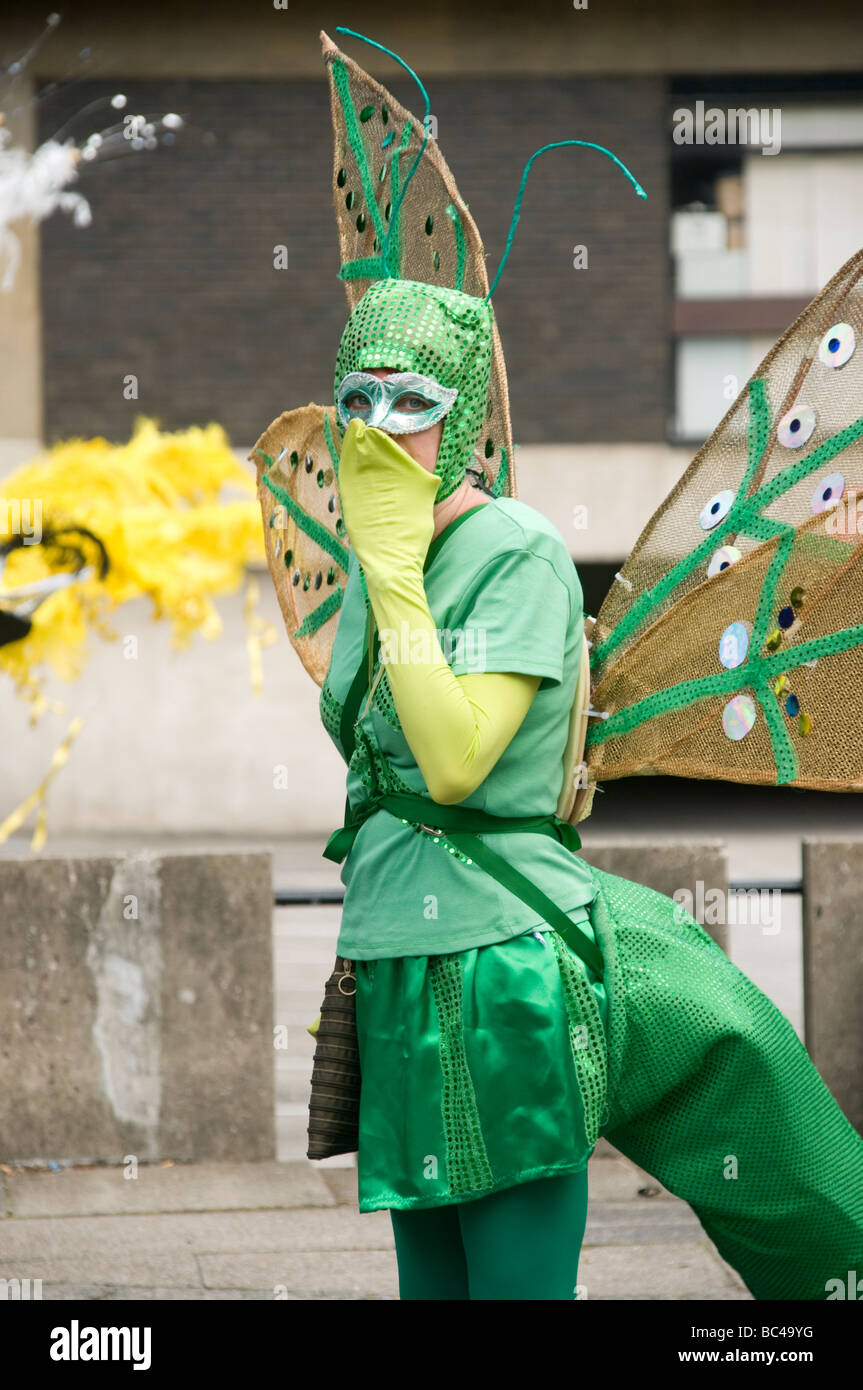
point(292, 1230)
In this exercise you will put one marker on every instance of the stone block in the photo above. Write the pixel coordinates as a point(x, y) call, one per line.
point(137, 998)
point(833, 968)
point(698, 869)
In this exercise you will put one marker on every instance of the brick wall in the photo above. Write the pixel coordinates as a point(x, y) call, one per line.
point(174, 281)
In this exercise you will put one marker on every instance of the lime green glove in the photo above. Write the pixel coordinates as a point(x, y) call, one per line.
point(387, 502)
point(456, 726)
point(460, 725)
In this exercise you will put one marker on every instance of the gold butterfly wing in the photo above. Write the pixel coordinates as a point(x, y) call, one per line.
point(731, 644)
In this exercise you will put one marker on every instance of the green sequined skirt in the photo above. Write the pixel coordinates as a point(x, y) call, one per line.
point(481, 1069)
point(711, 1091)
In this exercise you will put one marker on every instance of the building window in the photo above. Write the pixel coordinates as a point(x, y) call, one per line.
point(767, 204)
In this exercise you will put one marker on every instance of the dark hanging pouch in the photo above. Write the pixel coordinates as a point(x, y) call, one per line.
point(334, 1104)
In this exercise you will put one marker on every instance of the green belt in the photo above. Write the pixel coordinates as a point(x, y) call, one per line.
point(462, 825)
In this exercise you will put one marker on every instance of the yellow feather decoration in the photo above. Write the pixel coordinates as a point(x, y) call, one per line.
point(180, 522)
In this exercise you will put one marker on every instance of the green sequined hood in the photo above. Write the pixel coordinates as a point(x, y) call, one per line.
point(409, 326)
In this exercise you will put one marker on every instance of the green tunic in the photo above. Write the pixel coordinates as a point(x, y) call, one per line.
point(504, 595)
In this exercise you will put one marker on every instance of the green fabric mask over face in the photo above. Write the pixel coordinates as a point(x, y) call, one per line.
point(409, 326)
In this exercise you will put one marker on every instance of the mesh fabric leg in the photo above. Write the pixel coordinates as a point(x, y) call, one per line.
point(430, 1254)
point(524, 1242)
point(712, 1092)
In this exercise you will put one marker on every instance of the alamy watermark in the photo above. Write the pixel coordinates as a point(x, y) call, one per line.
point(22, 516)
point(20, 1290)
point(846, 518)
point(713, 907)
point(734, 126)
point(77, 1343)
point(845, 1288)
point(464, 646)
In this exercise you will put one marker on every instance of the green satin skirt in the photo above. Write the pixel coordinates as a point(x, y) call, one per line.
point(481, 1069)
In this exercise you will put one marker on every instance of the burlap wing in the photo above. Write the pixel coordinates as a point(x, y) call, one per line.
point(762, 530)
point(729, 686)
point(305, 537)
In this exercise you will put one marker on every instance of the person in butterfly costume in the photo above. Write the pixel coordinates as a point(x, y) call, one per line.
point(512, 1002)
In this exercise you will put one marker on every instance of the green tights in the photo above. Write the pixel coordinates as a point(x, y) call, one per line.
point(521, 1243)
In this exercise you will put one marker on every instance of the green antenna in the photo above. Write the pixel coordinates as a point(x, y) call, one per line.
point(558, 144)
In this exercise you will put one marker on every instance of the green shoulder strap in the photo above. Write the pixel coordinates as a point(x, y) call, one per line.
point(359, 686)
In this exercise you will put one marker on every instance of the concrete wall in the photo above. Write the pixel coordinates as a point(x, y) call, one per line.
point(21, 320)
point(137, 999)
point(178, 742)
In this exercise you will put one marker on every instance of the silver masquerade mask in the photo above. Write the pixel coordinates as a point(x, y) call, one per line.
point(403, 403)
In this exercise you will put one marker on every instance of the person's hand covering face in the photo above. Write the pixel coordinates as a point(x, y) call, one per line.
point(387, 501)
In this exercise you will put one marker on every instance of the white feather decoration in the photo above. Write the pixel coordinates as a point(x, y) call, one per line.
point(34, 185)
